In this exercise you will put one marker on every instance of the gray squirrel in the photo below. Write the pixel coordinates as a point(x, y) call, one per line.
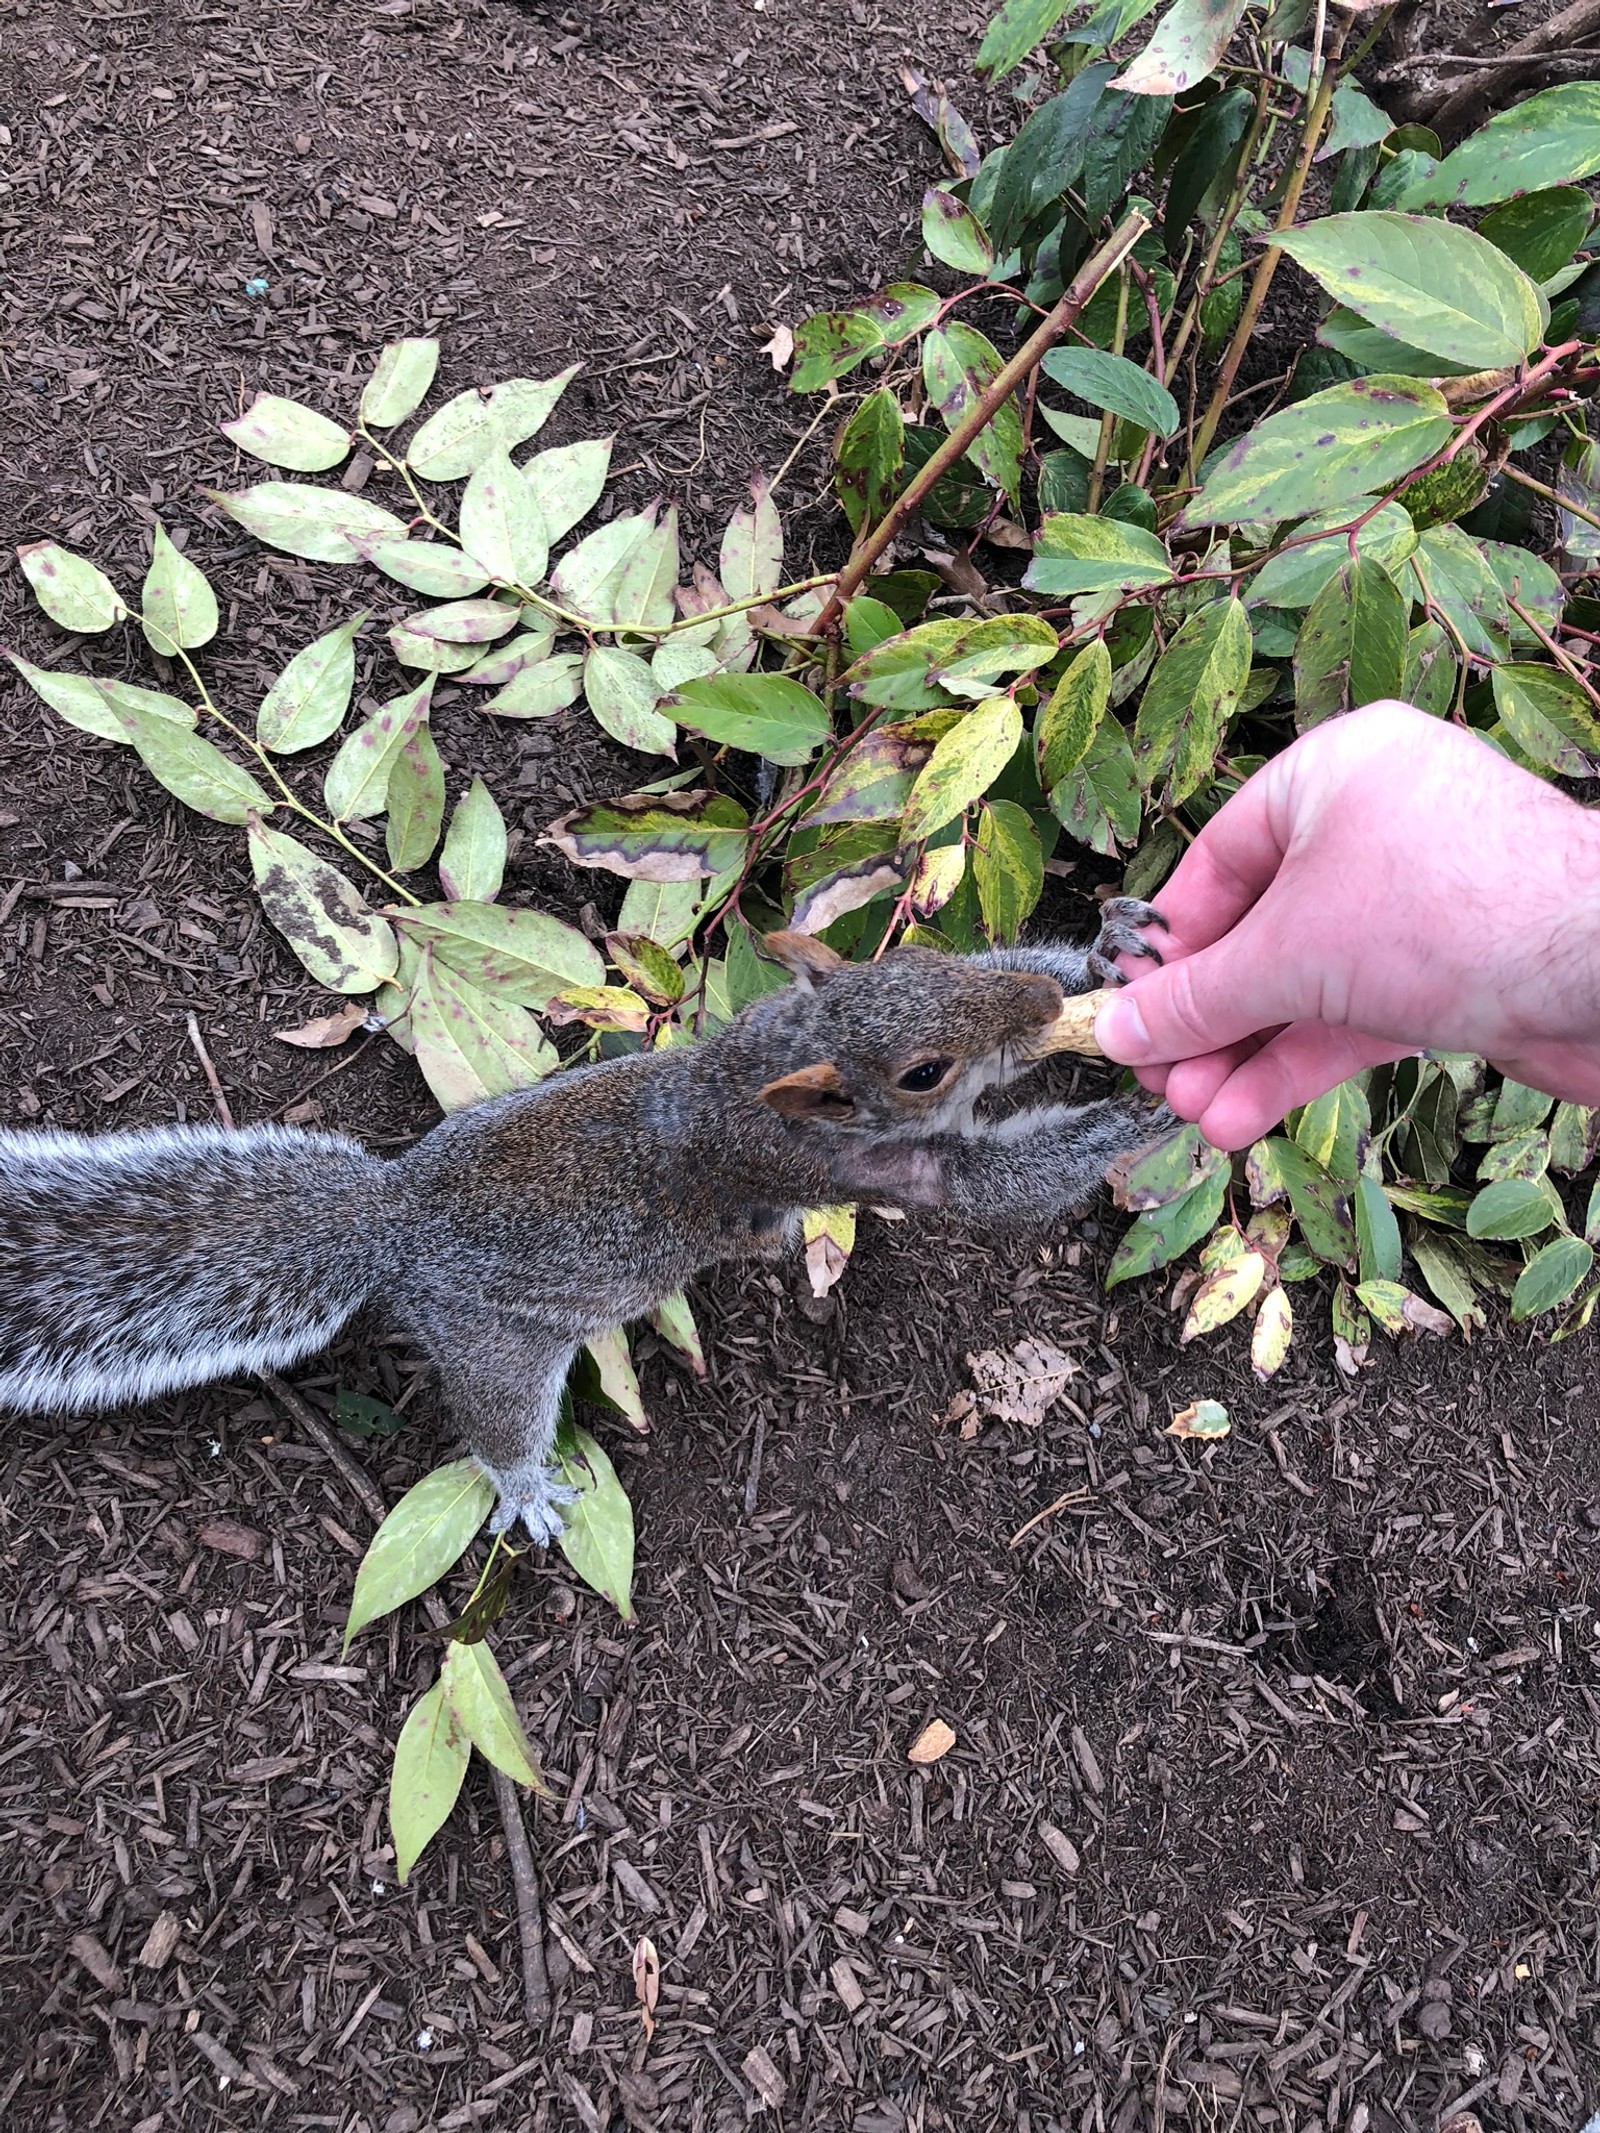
point(132, 1264)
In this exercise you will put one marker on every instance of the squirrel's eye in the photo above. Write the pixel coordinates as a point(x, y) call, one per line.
point(918, 1080)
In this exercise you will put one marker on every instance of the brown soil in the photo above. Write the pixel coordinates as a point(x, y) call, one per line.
point(1314, 1711)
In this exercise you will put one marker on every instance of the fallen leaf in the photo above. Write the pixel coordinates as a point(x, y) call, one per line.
point(326, 1031)
point(780, 348)
point(935, 1739)
point(1021, 1384)
point(1006, 533)
point(647, 1982)
point(958, 572)
point(1206, 1419)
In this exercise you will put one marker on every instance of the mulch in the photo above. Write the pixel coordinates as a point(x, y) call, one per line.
point(1276, 1774)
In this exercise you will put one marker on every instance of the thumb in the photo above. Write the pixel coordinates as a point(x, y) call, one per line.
point(1198, 1003)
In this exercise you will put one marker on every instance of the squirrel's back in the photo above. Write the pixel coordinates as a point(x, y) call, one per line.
point(132, 1264)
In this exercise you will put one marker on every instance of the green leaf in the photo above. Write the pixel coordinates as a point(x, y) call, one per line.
point(476, 1692)
point(672, 836)
point(962, 767)
point(953, 233)
point(1163, 1234)
point(177, 606)
point(1189, 40)
point(310, 697)
point(464, 621)
point(426, 1533)
point(1573, 1132)
point(1512, 1208)
point(473, 862)
point(323, 525)
point(539, 689)
point(500, 524)
point(1549, 139)
point(1541, 231)
point(1371, 349)
point(1327, 450)
point(357, 779)
point(1295, 575)
point(97, 706)
point(597, 1538)
point(321, 914)
point(868, 459)
point(662, 910)
point(1206, 166)
point(414, 802)
point(622, 694)
point(1377, 1233)
point(477, 424)
point(469, 1044)
point(190, 768)
point(285, 434)
point(618, 1381)
point(1168, 1171)
point(429, 567)
point(1018, 26)
point(830, 343)
point(1551, 1275)
point(1445, 1271)
point(430, 1762)
point(1113, 383)
point(1333, 1130)
point(674, 1321)
point(1100, 801)
point(958, 365)
point(70, 589)
point(1121, 134)
point(399, 383)
point(1455, 577)
point(566, 482)
point(873, 782)
point(765, 714)
point(1426, 281)
point(1074, 553)
point(898, 673)
point(1046, 156)
point(998, 645)
point(1064, 730)
point(1321, 1204)
point(1352, 645)
point(646, 968)
point(1192, 694)
point(524, 957)
point(1431, 672)
point(868, 623)
point(623, 572)
point(1529, 580)
point(1007, 866)
point(1547, 714)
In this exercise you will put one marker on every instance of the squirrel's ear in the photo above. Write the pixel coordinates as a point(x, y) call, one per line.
point(810, 1092)
point(806, 958)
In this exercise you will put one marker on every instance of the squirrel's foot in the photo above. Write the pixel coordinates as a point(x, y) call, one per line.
point(531, 1495)
point(1121, 918)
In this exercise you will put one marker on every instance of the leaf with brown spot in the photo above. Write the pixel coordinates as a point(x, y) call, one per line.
point(321, 914)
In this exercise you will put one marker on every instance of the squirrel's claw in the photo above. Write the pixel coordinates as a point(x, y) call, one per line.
point(531, 1496)
point(1121, 918)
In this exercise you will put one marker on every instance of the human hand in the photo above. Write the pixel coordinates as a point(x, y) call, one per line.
point(1389, 883)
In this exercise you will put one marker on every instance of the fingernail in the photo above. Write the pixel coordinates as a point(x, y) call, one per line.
point(1120, 1032)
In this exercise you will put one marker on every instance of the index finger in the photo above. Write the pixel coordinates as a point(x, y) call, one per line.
point(1229, 865)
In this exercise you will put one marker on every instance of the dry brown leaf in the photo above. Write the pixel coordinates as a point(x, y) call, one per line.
point(647, 1982)
point(1021, 1384)
point(327, 1030)
point(1206, 1420)
point(1006, 533)
point(935, 1739)
point(780, 348)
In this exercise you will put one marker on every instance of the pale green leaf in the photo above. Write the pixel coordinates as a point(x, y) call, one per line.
point(480, 422)
point(1426, 281)
point(321, 914)
point(622, 694)
point(476, 1691)
point(1113, 383)
point(540, 689)
point(177, 606)
point(399, 382)
point(430, 1762)
point(323, 525)
point(433, 568)
point(1076, 553)
point(426, 1533)
point(1191, 695)
point(597, 1536)
point(524, 957)
point(953, 233)
point(1549, 139)
point(469, 1044)
point(1187, 43)
point(310, 697)
point(500, 524)
point(1325, 451)
point(70, 589)
point(97, 706)
point(285, 434)
point(566, 482)
point(766, 714)
point(357, 779)
point(190, 767)
point(414, 801)
point(473, 862)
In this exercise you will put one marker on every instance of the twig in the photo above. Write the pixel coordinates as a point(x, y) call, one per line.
point(982, 412)
point(1049, 1511)
point(1564, 660)
point(1471, 99)
point(360, 1487)
point(530, 1911)
point(1244, 331)
point(327, 1074)
point(210, 1072)
point(1551, 496)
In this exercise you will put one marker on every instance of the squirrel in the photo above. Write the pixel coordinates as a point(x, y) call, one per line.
point(136, 1263)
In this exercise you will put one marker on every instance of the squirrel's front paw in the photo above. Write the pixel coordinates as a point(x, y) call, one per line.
point(531, 1495)
point(1121, 918)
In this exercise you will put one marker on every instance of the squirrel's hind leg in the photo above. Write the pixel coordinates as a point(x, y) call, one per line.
point(502, 1376)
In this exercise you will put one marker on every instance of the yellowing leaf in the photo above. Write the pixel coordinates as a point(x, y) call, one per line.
point(423, 1536)
point(476, 1691)
point(829, 1235)
point(1270, 1337)
point(597, 1537)
point(430, 1761)
point(480, 422)
point(964, 764)
point(1206, 1420)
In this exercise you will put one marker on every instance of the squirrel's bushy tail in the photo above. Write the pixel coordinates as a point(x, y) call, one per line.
point(132, 1264)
